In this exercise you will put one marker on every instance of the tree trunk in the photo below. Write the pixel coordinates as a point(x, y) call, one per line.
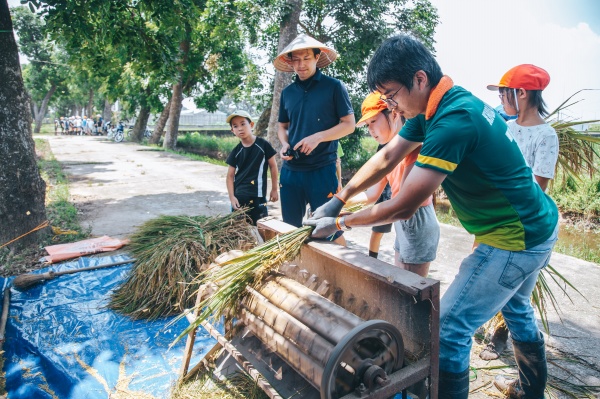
point(288, 31)
point(159, 127)
point(40, 113)
point(90, 105)
point(170, 141)
point(261, 127)
point(140, 124)
point(107, 113)
point(35, 111)
point(22, 189)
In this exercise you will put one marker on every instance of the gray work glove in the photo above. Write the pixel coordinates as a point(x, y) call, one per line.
point(324, 227)
point(330, 209)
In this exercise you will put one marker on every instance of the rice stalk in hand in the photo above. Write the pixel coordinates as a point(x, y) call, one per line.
point(359, 206)
point(171, 251)
point(247, 270)
point(542, 293)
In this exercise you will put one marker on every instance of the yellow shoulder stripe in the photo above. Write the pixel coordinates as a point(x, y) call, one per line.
point(438, 163)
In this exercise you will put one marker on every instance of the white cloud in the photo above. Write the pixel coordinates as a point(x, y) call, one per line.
point(478, 41)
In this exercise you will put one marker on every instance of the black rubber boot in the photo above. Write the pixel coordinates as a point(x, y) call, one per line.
point(453, 385)
point(533, 371)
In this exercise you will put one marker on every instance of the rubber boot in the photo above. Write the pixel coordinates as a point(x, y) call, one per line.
point(533, 371)
point(453, 385)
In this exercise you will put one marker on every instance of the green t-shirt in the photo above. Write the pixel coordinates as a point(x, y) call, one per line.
point(489, 185)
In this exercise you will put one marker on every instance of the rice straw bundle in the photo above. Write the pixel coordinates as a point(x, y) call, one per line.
point(171, 251)
point(248, 270)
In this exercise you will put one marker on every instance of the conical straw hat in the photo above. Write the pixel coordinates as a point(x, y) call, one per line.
point(283, 63)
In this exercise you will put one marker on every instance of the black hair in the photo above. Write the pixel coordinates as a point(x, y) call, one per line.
point(388, 115)
point(316, 51)
point(534, 99)
point(398, 59)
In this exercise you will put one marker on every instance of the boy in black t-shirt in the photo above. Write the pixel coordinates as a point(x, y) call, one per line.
point(248, 163)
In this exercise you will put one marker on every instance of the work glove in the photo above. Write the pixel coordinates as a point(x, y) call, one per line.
point(324, 227)
point(330, 209)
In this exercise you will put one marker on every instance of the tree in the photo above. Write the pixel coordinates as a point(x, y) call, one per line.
point(47, 69)
point(288, 30)
point(22, 209)
point(354, 28)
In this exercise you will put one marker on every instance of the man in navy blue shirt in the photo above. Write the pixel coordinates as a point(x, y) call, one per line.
point(315, 111)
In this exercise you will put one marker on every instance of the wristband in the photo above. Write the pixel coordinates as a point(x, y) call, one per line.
point(337, 223)
point(341, 223)
point(338, 197)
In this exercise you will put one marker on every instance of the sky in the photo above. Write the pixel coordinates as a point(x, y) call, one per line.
point(479, 40)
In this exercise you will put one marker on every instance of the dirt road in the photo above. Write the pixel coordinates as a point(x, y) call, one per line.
point(117, 187)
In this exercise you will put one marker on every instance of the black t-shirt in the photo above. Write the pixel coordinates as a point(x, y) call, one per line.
point(312, 106)
point(251, 165)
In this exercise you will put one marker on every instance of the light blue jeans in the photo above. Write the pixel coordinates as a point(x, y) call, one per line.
point(490, 280)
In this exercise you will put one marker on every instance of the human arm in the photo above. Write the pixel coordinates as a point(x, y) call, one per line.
point(344, 128)
point(542, 181)
point(378, 166)
point(274, 196)
point(370, 196)
point(418, 186)
point(338, 173)
point(282, 133)
point(230, 189)
point(372, 172)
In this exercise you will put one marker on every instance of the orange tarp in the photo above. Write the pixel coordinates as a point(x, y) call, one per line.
point(71, 250)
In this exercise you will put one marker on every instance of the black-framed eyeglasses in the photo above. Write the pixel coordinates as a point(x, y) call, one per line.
point(390, 101)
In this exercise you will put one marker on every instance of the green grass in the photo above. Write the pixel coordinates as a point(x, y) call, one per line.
point(199, 147)
point(47, 128)
point(208, 143)
point(578, 242)
point(579, 197)
point(60, 211)
point(368, 147)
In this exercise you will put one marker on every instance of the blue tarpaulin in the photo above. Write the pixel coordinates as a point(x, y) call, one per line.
point(63, 342)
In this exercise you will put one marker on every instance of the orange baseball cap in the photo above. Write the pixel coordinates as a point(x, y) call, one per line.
point(525, 76)
point(371, 106)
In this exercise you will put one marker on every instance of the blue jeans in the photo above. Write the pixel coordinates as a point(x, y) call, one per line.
point(490, 280)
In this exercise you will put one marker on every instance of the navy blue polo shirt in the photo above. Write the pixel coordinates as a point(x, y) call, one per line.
point(318, 106)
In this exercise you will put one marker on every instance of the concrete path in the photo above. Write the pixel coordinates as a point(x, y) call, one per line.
point(118, 186)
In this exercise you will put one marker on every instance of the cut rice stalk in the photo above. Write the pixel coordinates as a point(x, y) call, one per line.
point(171, 252)
point(248, 270)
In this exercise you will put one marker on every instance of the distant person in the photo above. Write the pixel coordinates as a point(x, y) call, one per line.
point(78, 125)
point(315, 112)
point(248, 164)
point(56, 125)
point(520, 91)
point(417, 238)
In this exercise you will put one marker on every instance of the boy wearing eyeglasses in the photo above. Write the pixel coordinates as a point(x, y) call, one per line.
point(469, 150)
